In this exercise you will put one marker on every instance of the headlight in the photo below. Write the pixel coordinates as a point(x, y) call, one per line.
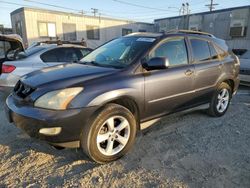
point(59, 99)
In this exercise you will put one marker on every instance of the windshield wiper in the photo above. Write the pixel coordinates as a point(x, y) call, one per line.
point(90, 62)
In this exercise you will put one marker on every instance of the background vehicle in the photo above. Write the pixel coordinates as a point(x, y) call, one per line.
point(39, 57)
point(100, 103)
point(9, 46)
point(245, 68)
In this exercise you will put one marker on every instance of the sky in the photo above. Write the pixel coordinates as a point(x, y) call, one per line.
point(138, 10)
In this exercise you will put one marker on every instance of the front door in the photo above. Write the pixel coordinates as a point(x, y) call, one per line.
point(169, 89)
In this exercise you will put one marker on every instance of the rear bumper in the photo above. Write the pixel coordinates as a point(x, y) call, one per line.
point(31, 120)
point(8, 80)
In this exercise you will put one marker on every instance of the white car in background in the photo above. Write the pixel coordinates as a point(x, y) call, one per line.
point(39, 57)
point(245, 68)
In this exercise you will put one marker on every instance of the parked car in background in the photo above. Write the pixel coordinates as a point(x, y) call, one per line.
point(245, 68)
point(58, 42)
point(39, 57)
point(99, 103)
point(10, 45)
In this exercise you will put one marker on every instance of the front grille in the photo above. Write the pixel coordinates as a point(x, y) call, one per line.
point(245, 71)
point(23, 90)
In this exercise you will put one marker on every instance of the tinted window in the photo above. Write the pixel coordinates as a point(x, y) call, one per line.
point(67, 55)
point(200, 49)
point(60, 55)
point(50, 56)
point(213, 52)
point(174, 50)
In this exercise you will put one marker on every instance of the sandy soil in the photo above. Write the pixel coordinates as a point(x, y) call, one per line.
point(188, 149)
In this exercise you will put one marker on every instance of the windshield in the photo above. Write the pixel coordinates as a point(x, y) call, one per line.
point(118, 53)
point(246, 55)
point(29, 52)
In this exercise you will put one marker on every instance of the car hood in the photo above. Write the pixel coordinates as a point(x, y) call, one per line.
point(73, 73)
point(245, 64)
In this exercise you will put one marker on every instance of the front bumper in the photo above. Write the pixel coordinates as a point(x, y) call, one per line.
point(245, 79)
point(31, 120)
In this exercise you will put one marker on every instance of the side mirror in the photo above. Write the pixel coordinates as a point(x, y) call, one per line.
point(157, 63)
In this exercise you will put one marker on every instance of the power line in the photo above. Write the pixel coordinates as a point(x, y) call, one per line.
point(51, 5)
point(141, 6)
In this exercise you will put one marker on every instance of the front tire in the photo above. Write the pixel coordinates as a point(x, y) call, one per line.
point(220, 100)
point(110, 135)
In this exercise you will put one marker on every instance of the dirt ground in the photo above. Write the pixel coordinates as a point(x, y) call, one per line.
point(188, 149)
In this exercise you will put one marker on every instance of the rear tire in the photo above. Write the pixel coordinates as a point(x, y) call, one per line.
point(110, 135)
point(220, 100)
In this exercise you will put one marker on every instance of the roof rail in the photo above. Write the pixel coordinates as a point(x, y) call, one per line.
point(61, 42)
point(190, 32)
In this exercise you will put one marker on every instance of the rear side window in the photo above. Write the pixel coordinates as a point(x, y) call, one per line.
point(200, 48)
point(60, 55)
point(50, 56)
point(214, 54)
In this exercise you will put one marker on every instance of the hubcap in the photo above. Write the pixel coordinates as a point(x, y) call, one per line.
point(223, 100)
point(113, 135)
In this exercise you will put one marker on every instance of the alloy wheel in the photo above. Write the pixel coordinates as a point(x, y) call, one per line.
point(223, 100)
point(113, 135)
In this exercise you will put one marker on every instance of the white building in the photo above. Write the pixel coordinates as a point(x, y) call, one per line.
point(40, 24)
point(231, 24)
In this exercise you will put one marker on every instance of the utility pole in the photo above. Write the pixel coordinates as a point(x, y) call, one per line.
point(188, 11)
point(94, 11)
point(183, 8)
point(212, 5)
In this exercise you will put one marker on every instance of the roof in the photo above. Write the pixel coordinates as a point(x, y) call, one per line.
point(22, 9)
point(207, 12)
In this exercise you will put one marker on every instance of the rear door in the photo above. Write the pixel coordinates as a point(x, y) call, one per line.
point(207, 68)
point(169, 89)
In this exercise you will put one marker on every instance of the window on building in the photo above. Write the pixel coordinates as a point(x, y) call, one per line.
point(200, 48)
point(69, 32)
point(18, 26)
point(51, 30)
point(126, 31)
point(93, 32)
point(173, 49)
point(47, 29)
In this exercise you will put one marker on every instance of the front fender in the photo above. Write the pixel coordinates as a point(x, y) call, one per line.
point(112, 95)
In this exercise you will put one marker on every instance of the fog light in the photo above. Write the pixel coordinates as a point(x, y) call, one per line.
point(50, 131)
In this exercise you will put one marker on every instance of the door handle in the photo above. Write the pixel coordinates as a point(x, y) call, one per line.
point(189, 72)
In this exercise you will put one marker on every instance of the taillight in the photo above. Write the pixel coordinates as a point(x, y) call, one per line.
point(8, 68)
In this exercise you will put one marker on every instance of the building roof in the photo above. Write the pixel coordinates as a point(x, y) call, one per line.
point(22, 9)
point(207, 12)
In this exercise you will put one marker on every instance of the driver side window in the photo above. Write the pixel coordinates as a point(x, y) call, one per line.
point(174, 49)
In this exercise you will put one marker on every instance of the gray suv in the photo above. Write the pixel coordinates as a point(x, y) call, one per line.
point(99, 103)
